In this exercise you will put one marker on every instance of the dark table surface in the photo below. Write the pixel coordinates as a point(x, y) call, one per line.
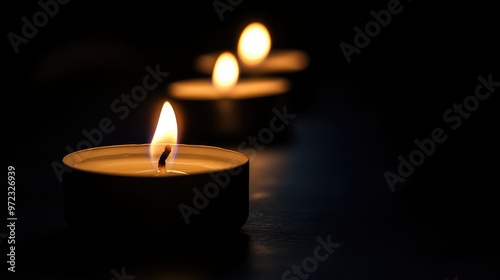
point(323, 183)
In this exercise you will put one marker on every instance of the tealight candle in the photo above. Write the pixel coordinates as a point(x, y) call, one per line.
point(120, 189)
point(226, 108)
point(256, 57)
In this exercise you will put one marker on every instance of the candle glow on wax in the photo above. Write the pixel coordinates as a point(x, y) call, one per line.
point(165, 134)
point(254, 44)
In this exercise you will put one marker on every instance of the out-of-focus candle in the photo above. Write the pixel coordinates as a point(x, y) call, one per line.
point(226, 107)
point(256, 55)
point(258, 58)
point(204, 89)
point(225, 84)
point(254, 44)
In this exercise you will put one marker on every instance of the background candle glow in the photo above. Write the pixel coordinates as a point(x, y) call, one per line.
point(254, 44)
point(225, 74)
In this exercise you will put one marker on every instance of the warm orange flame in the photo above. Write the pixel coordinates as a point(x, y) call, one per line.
point(226, 72)
point(254, 44)
point(165, 133)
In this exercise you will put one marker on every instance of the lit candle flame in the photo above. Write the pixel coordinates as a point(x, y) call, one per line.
point(226, 72)
point(254, 44)
point(165, 134)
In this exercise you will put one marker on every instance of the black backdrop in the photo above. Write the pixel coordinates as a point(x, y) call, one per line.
point(427, 58)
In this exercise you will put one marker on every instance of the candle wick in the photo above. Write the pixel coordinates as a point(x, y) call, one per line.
point(163, 158)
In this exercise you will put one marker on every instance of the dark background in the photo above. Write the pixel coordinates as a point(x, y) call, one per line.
point(354, 119)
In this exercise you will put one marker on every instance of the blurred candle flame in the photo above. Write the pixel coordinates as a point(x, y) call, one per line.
point(226, 72)
point(165, 134)
point(254, 44)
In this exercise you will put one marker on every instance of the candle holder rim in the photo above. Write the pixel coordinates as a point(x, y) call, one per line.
point(204, 62)
point(283, 83)
point(66, 159)
point(275, 51)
